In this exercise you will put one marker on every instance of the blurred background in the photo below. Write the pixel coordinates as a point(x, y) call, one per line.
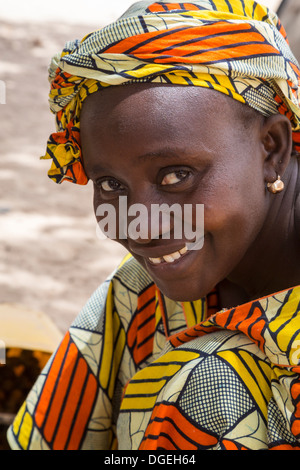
point(50, 257)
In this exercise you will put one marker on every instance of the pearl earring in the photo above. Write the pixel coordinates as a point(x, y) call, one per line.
point(276, 187)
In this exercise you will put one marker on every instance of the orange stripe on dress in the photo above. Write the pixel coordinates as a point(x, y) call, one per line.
point(70, 406)
point(234, 320)
point(231, 445)
point(243, 318)
point(60, 393)
point(163, 442)
point(168, 428)
point(284, 447)
point(184, 426)
point(167, 420)
point(141, 331)
point(84, 412)
point(191, 333)
point(67, 398)
point(295, 393)
point(51, 382)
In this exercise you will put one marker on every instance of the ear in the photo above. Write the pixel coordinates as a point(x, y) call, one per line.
point(276, 137)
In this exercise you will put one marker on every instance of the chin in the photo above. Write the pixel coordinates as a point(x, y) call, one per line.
point(180, 294)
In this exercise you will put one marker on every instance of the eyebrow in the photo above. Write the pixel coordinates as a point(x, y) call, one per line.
point(95, 170)
point(163, 153)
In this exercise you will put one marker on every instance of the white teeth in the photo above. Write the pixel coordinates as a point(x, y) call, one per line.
point(169, 258)
point(175, 255)
point(155, 260)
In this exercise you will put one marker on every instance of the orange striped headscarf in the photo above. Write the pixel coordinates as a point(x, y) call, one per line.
point(237, 47)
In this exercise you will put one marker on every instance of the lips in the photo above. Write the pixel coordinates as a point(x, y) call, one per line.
point(170, 257)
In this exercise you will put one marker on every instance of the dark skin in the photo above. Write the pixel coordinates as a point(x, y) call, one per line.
point(166, 144)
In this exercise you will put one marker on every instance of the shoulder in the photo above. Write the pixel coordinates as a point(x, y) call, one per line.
point(123, 287)
point(131, 275)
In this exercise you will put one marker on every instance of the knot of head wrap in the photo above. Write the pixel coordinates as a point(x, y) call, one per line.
point(237, 47)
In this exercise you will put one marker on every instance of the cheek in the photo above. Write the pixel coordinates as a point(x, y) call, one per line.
point(234, 198)
point(235, 214)
point(107, 216)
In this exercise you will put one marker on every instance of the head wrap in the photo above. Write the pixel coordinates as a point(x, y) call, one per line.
point(237, 47)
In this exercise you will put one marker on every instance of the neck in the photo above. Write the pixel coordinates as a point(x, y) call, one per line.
point(272, 263)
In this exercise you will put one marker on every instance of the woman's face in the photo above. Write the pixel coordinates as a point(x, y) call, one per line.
point(178, 145)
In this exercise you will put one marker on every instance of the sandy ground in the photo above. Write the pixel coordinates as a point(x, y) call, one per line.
point(50, 256)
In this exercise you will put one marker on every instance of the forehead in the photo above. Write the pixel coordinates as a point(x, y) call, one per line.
point(141, 119)
point(162, 106)
point(149, 94)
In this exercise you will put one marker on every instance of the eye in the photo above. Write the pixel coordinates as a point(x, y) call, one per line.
point(109, 185)
point(175, 177)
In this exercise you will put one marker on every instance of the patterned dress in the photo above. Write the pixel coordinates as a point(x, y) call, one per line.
point(139, 371)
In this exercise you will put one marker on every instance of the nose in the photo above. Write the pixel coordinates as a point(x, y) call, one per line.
point(138, 217)
point(139, 221)
point(148, 221)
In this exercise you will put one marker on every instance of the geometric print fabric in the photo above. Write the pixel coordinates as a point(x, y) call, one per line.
point(153, 373)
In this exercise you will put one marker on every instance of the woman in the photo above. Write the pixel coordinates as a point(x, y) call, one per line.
point(185, 346)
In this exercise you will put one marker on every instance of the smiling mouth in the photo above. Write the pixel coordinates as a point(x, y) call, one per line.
point(169, 258)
